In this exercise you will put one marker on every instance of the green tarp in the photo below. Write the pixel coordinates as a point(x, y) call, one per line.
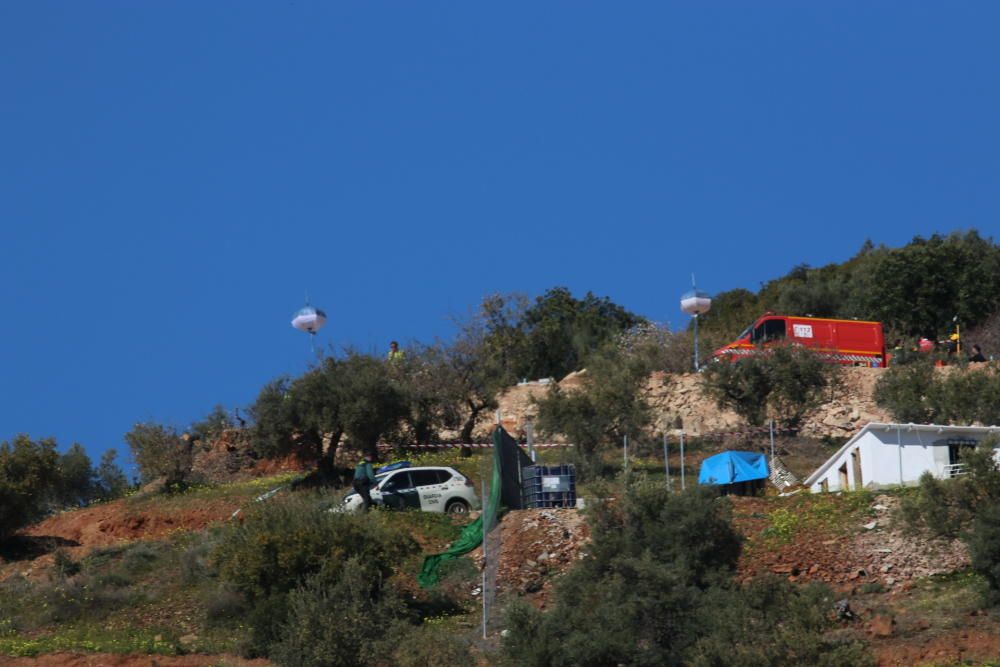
point(472, 535)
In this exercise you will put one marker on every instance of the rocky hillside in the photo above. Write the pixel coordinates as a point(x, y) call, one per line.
point(680, 399)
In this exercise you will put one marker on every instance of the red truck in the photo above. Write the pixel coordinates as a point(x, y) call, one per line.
point(847, 342)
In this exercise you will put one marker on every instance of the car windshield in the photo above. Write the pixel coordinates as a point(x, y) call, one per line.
point(745, 333)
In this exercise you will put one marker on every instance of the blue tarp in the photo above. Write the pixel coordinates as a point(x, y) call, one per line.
point(730, 467)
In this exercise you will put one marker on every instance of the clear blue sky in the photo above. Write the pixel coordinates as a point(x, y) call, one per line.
point(174, 176)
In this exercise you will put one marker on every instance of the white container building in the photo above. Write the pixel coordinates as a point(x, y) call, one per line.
point(882, 455)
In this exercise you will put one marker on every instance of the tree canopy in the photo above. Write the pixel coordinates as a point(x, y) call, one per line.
point(916, 290)
point(35, 479)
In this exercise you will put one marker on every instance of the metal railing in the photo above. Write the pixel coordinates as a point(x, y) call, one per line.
point(953, 470)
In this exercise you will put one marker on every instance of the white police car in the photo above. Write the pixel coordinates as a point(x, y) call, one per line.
point(426, 488)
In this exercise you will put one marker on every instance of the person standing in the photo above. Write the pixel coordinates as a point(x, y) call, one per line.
point(364, 480)
point(395, 354)
point(977, 354)
point(951, 345)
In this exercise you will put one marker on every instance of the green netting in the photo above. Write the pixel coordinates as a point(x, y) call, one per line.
point(472, 535)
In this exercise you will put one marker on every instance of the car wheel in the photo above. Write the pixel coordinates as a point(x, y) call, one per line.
point(457, 507)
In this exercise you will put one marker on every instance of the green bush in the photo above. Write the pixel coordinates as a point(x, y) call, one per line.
point(872, 587)
point(64, 565)
point(771, 622)
point(916, 393)
point(335, 623)
point(784, 381)
point(141, 557)
point(282, 542)
point(610, 405)
point(160, 451)
point(281, 545)
point(101, 556)
point(110, 481)
point(632, 600)
point(277, 425)
point(29, 475)
point(656, 588)
point(75, 487)
point(930, 507)
point(196, 562)
point(431, 643)
point(984, 547)
point(212, 426)
point(966, 507)
point(908, 392)
point(84, 596)
point(224, 605)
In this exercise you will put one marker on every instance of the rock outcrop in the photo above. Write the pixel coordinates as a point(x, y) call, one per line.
point(679, 401)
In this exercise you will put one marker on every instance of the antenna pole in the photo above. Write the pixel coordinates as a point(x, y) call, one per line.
point(666, 462)
point(683, 483)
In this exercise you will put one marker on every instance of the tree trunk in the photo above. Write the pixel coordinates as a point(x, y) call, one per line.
point(466, 435)
point(327, 466)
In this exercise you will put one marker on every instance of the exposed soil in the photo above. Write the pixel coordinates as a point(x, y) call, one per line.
point(81, 530)
point(953, 647)
point(535, 546)
point(885, 553)
point(117, 522)
point(885, 558)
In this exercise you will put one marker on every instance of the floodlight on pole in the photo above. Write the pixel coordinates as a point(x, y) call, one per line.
point(695, 303)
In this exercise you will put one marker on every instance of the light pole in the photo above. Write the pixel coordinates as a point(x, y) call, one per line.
point(695, 303)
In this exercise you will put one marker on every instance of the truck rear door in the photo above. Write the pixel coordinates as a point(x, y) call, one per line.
point(865, 337)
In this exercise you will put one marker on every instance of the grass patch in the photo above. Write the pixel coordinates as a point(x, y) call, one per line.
point(149, 642)
point(238, 491)
point(130, 598)
point(830, 514)
point(948, 597)
point(784, 524)
point(434, 527)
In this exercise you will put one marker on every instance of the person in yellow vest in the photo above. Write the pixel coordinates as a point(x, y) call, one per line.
point(951, 345)
point(395, 354)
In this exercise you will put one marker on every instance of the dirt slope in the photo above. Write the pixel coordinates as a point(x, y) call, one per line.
point(124, 520)
point(820, 547)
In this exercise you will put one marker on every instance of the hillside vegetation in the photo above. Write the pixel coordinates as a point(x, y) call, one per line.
point(653, 575)
point(916, 290)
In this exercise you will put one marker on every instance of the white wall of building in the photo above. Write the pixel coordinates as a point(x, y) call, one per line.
point(891, 454)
